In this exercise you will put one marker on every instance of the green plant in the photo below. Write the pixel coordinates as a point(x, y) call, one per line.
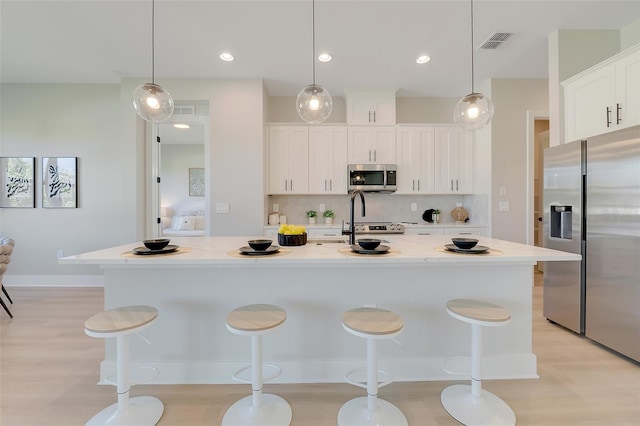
point(436, 211)
point(328, 213)
point(312, 213)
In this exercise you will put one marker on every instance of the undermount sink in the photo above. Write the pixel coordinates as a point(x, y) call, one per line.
point(320, 241)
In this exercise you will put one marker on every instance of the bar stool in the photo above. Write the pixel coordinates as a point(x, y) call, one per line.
point(470, 404)
point(120, 323)
point(372, 324)
point(259, 408)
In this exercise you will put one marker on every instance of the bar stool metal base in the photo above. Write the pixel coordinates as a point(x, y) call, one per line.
point(142, 410)
point(486, 409)
point(275, 411)
point(357, 413)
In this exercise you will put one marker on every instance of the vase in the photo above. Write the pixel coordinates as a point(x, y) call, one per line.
point(328, 220)
point(312, 221)
point(435, 217)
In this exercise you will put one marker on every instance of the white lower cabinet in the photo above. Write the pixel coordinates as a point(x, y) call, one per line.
point(423, 230)
point(466, 231)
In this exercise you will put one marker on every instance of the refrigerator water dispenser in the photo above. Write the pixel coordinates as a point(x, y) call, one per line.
point(560, 222)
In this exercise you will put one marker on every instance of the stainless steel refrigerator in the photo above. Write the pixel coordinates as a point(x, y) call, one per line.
point(592, 207)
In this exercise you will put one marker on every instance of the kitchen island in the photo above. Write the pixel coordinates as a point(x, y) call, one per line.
point(195, 287)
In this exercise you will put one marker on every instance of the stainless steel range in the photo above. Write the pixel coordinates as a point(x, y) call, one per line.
point(378, 228)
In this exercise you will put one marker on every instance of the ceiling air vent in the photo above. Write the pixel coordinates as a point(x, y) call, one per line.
point(495, 40)
point(184, 110)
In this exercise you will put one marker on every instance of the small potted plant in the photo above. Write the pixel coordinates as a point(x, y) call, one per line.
point(436, 216)
point(328, 216)
point(311, 215)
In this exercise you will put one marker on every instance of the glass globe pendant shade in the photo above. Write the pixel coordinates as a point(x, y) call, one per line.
point(314, 104)
point(152, 102)
point(473, 112)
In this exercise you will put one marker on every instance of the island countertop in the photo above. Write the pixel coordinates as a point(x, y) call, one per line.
point(414, 249)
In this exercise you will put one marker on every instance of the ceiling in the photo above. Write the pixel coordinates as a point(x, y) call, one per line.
point(373, 43)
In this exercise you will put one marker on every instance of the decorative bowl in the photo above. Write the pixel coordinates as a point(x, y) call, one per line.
point(464, 243)
point(156, 243)
point(369, 243)
point(259, 245)
point(292, 240)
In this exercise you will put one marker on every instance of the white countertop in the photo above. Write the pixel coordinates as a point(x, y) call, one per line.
point(406, 249)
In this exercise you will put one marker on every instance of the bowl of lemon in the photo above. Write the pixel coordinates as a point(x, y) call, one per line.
point(292, 235)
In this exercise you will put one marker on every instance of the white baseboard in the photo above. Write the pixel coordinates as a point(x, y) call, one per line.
point(53, 281)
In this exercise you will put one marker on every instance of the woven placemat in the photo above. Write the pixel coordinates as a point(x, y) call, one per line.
point(181, 250)
point(490, 252)
point(281, 252)
point(349, 252)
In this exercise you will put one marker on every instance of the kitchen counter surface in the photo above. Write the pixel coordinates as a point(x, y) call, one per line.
point(323, 250)
point(196, 287)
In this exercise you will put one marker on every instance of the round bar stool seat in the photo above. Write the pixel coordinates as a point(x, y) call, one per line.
point(120, 323)
point(470, 404)
point(258, 408)
point(372, 324)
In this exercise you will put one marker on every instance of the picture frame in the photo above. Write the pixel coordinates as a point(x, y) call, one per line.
point(18, 182)
point(196, 182)
point(60, 182)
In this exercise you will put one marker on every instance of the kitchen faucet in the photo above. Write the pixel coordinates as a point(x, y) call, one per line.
point(352, 224)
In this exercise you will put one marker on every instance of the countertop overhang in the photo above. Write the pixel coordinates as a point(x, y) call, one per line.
point(408, 249)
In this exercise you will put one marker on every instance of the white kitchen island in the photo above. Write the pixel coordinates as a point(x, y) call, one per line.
point(196, 287)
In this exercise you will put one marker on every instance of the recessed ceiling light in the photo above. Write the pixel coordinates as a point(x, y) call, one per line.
point(181, 126)
point(226, 56)
point(423, 59)
point(324, 57)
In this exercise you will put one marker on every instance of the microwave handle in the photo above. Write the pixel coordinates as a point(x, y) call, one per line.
point(384, 181)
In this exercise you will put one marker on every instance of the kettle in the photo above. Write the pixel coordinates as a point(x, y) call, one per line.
point(427, 216)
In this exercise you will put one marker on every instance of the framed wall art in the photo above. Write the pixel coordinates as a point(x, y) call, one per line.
point(196, 182)
point(18, 176)
point(59, 182)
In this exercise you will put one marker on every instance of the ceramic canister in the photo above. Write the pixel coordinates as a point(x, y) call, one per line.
point(273, 219)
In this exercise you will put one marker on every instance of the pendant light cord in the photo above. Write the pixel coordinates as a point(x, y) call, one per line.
point(472, 72)
point(153, 42)
point(313, 37)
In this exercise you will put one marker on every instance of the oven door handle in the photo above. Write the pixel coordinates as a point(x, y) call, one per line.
point(384, 179)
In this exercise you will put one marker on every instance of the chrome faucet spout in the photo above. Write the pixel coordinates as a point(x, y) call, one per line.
point(352, 224)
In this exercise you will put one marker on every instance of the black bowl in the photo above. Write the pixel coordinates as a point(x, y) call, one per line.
point(156, 243)
point(465, 243)
point(369, 243)
point(260, 245)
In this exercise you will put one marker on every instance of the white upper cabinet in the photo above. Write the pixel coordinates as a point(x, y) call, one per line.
point(415, 156)
point(288, 159)
point(327, 160)
point(453, 160)
point(371, 108)
point(604, 98)
point(371, 145)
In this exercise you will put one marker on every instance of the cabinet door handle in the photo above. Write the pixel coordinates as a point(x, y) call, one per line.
point(369, 116)
point(457, 188)
point(325, 185)
point(418, 184)
point(375, 154)
point(374, 116)
point(451, 185)
point(414, 184)
point(608, 117)
point(291, 184)
point(618, 111)
point(330, 184)
point(285, 185)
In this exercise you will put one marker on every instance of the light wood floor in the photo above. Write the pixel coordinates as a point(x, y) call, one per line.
point(49, 370)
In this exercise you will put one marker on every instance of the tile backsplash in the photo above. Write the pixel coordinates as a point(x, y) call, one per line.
point(381, 207)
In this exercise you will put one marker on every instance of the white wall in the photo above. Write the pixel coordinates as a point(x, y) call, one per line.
point(512, 99)
point(630, 35)
point(69, 121)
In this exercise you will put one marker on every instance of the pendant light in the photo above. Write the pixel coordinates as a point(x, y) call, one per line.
point(314, 103)
point(475, 110)
point(150, 100)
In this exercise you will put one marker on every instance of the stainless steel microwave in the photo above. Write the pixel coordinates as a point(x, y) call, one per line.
point(372, 177)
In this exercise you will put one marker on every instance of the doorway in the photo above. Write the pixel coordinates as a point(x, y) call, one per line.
point(537, 141)
point(180, 172)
